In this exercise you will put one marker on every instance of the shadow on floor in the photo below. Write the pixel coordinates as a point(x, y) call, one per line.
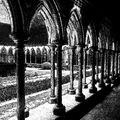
point(83, 108)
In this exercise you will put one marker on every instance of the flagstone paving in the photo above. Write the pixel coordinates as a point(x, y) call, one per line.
point(108, 109)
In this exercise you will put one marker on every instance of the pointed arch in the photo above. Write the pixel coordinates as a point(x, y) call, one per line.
point(10, 55)
point(75, 24)
point(3, 54)
point(52, 19)
point(33, 55)
point(38, 55)
point(89, 37)
point(44, 54)
point(27, 55)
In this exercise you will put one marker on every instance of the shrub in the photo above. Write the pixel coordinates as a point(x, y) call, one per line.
point(65, 67)
point(9, 92)
point(46, 65)
point(33, 65)
point(7, 69)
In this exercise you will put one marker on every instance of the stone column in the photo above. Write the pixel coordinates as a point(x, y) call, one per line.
point(85, 85)
point(108, 81)
point(116, 72)
point(105, 64)
point(52, 95)
point(20, 77)
point(72, 52)
point(101, 83)
point(93, 89)
point(97, 65)
point(113, 66)
point(111, 62)
point(59, 108)
point(80, 96)
point(25, 58)
point(30, 56)
point(118, 63)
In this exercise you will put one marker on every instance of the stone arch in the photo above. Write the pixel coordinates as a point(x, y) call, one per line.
point(44, 54)
point(74, 29)
point(33, 55)
point(103, 35)
point(75, 33)
point(38, 55)
point(27, 56)
point(17, 19)
point(3, 54)
point(49, 12)
point(89, 42)
point(7, 13)
point(76, 17)
point(10, 55)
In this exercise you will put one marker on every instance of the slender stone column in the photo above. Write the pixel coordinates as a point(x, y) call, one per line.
point(97, 65)
point(118, 63)
point(59, 108)
point(111, 62)
point(35, 58)
point(25, 57)
point(105, 64)
point(85, 85)
point(52, 95)
point(80, 96)
point(113, 67)
point(30, 56)
point(93, 89)
point(102, 84)
point(108, 81)
point(116, 72)
point(71, 89)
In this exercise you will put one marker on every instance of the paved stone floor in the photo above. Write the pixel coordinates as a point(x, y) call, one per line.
point(108, 109)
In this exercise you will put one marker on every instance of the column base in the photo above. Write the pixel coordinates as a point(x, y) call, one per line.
point(59, 110)
point(26, 112)
point(95, 81)
point(101, 85)
point(71, 91)
point(107, 80)
point(93, 90)
point(108, 85)
point(52, 100)
point(80, 98)
point(112, 79)
point(98, 80)
point(85, 85)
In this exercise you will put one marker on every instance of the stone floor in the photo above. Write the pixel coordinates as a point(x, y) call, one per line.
point(108, 109)
point(44, 112)
point(104, 105)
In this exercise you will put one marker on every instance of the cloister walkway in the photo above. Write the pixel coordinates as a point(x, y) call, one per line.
point(104, 105)
point(108, 109)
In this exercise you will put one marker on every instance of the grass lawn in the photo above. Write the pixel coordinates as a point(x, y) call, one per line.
point(30, 73)
point(36, 80)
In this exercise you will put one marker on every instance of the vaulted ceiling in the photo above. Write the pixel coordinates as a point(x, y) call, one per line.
point(97, 9)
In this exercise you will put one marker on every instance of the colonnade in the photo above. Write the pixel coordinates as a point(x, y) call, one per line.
point(78, 27)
